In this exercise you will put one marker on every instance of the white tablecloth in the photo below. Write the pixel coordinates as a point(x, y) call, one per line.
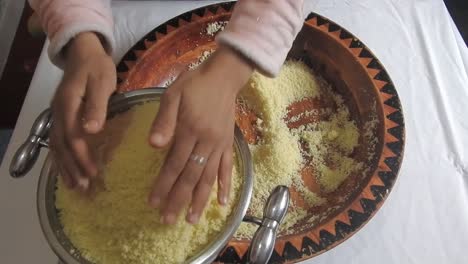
point(425, 218)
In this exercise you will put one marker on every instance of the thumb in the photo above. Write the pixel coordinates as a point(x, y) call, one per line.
point(98, 91)
point(164, 124)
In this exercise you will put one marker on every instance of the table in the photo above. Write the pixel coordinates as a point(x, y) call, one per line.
point(425, 218)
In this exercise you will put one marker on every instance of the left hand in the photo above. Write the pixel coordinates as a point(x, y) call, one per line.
point(196, 115)
point(79, 108)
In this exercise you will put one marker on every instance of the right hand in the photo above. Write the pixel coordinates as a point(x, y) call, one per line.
point(79, 108)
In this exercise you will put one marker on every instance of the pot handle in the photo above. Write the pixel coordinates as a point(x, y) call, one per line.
point(263, 242)
point(27, 153)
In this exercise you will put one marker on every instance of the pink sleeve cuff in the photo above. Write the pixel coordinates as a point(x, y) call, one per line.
point(62, 20)
point(263, 31)
point(59, 40)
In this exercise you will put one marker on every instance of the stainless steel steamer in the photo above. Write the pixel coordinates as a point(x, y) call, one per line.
point(262, 244)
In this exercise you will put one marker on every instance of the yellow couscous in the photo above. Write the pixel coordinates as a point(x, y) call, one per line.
point(115, 224)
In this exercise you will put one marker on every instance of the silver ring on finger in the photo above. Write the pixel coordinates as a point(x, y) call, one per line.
point(198, 159)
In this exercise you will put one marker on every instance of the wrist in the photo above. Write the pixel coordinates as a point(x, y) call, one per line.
point(230, 64)
point(84, 44)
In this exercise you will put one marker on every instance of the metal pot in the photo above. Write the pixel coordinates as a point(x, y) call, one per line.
point(261, 246)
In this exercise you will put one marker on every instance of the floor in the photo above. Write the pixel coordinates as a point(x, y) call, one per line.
point(5, 135)
point(16, 77)
point(459, 11)
point(27, 48)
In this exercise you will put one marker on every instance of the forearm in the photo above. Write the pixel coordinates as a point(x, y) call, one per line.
point(263, 31)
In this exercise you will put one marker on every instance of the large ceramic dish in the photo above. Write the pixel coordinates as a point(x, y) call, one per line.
point(353, 71)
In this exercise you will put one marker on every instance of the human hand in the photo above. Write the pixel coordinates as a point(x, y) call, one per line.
point(196, 115)
point(79, 108)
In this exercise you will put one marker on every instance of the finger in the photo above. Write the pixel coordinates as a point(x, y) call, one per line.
point(173, 165)
point(181, 193)
point(81, 154)
point(224, 176)
point(74, 171)
point(58, 148)
point(98, 90)
point(69, 166)
point(164, 124)
point(74, 137)
point(202, 191)
point(66, 177)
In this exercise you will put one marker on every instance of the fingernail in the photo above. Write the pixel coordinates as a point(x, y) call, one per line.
point(83, 183)
point(91, 125)
point(193, 218)
point(169, 219)
point(223, 200)
point(157, 139)
point(155, 201)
